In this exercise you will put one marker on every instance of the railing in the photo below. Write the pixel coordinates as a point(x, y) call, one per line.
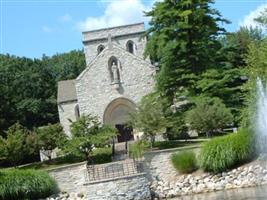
point(114, 170)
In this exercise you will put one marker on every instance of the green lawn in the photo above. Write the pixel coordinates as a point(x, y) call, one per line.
point(160, 145)
point(103, 155)
point(99, 156)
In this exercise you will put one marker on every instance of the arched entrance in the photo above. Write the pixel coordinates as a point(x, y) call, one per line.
point(117, 115)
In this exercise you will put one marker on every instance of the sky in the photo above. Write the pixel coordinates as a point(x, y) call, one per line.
point(32, 28)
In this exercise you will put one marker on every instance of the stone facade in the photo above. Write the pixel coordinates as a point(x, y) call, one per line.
point(116, 77)
point(120, 36)
point(95, 91)
point(67, 114)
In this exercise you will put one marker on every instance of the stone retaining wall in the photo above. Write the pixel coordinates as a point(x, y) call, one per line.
point(72, 183)
point(158, 164)
point(160, 180)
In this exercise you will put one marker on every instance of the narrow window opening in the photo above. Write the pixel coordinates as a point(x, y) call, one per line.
point(100, 48)
point(130, 46)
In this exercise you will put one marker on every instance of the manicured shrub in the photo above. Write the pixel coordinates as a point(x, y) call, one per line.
point(102, 155)
point(26, 184)
point(228, 151)
point(184, 161)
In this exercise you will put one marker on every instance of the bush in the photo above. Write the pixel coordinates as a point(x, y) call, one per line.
point(228, 151)
point(26, 184)
point(102, 155)
point(50, 137)
point(209, 116)
point(185, 161)
point(136, 150)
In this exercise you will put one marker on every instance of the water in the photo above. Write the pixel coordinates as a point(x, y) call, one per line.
point(261, 116)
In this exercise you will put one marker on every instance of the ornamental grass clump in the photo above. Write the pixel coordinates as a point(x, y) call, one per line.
point(26, 184)
point(137, 149)
point(226, 152)
point(185, 161)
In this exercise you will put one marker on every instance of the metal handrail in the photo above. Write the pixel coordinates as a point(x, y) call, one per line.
point(114, 170)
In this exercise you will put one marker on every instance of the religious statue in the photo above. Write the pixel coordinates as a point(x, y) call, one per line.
point(115, 73)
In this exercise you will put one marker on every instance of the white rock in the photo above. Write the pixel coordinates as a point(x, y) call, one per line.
point(206, 180)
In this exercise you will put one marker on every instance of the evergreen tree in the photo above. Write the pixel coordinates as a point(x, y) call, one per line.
point(183, 39)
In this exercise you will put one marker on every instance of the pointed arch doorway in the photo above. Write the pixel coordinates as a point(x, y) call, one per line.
point(117, 115)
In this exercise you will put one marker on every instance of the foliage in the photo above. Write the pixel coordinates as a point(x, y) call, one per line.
point(209, 116)
point(256, 68)
point(26, 184)
point(196, 58)
point(99, 156)
point(149, 117)
point(28, 87)
point(262, 19)
point(214, 82)
point(102, 155)
point(256, 60)
point(18, 144)
point(184, 161)
point(137, 149)
point(173, 144)
point(182, 38)
point(88, 133)
point(236, 44)
point(50, 137)
point(222, 153)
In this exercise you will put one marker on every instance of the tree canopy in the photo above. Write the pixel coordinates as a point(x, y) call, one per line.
point(28, 87)
point(183, 39)
point(149, 117)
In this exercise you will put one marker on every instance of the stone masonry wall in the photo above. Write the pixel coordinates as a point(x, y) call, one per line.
point(159, 166)
point(72, 180)
point(115, 31)
point(66, 112)
point(120, 36)
point(94, 88)
point(90, 49)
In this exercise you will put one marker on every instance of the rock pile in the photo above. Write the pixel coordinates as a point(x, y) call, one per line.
point(252, 175)
point(67, 196)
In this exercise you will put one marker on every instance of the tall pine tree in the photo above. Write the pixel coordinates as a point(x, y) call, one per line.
point(183, 39)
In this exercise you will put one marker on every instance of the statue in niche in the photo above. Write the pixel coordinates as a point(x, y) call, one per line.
point(115, 73)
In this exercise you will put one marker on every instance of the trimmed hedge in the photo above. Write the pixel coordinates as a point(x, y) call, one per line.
point(228, 151)
point(184, 161)
point(26, 184)
point(102, 155)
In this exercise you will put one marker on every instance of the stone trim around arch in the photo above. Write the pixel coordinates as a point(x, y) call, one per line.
point(117, 111)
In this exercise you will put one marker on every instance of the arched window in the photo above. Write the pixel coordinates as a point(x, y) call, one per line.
point(130, 46)
point(100, 48)
point(77, 112)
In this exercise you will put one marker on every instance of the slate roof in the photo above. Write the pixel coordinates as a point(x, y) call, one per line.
point(66, 91)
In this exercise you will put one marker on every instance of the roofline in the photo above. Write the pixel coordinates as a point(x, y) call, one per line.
point(102, 29)
point(67, 101)
point(116, 36)
point(106, 49)
point(66, 80)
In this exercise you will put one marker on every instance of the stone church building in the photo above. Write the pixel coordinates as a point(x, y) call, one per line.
point(115, 79)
